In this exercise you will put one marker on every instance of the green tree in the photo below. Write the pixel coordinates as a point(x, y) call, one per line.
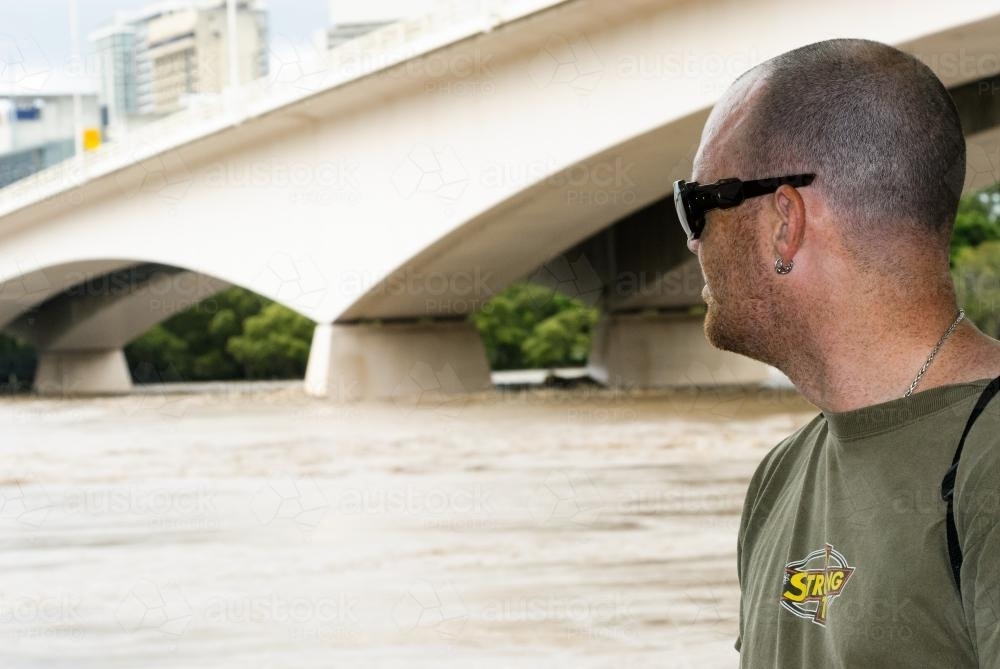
point(237, 334)
point(977, 284)
point(158, 350)
point(516, 334)
point(562, 340)
point(274, 344)
point(976, 222)
point(192, 343)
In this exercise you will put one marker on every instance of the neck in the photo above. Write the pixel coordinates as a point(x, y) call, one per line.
point(853, 364)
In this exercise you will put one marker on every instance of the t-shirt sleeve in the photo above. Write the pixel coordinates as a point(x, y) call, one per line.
point(749, 502)
point(977, 519)
point(758, 482)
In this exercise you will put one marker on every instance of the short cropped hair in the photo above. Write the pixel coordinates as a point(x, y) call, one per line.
point(877, 126)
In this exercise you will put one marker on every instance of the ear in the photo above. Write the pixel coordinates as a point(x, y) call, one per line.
point(790, 226)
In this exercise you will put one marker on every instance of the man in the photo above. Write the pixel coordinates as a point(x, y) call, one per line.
point(828, 259)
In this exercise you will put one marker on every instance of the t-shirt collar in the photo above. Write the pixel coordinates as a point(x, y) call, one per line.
point(892, 414)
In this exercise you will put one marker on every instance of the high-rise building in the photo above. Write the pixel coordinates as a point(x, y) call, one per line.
point(189, 51)
point(115, 46)
point(143, 76)
point(154, 59)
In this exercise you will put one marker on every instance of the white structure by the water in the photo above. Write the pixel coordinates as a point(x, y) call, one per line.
point(391, 187)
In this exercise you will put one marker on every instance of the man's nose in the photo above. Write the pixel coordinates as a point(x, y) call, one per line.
point(693, 245)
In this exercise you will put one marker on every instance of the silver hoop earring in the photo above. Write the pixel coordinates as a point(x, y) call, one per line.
point(782, 268)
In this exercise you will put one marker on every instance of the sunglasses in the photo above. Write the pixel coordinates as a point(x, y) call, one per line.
point(693, 200)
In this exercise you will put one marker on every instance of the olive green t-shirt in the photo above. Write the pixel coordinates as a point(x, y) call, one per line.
point(843, 553)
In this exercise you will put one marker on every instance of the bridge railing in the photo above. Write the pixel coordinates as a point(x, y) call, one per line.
point(314, 68)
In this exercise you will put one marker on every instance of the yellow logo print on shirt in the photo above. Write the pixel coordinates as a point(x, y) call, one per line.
point(813, 582)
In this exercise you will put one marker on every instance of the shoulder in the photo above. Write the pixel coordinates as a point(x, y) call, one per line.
point(977, 483)
point(780, 460)
point(787, 451)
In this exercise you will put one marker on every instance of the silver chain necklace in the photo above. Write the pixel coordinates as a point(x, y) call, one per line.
point(934, 352)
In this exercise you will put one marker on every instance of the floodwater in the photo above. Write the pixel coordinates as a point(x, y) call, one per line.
point(251, 526)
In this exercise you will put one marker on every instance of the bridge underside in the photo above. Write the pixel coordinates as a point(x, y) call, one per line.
point(585, 237)
point(637, 270)
point(79, 318)
point(80, 332)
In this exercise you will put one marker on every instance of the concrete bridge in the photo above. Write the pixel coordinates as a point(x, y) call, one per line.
point(389, 188)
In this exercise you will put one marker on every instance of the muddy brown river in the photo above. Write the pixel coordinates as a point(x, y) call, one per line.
point(251, 526)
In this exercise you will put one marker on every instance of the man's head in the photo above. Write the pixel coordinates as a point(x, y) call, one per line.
point(883, 137)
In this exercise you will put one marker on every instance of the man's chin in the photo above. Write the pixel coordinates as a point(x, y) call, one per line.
point(722, 335)
point(717, 333)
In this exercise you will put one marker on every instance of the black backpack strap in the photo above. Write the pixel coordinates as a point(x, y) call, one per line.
point(948, 483)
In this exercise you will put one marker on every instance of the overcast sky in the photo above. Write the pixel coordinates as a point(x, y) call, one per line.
point(40, 28)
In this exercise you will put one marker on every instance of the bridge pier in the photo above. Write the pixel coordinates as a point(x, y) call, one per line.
point(380, 361)
point(75, 373)
point(662, 350)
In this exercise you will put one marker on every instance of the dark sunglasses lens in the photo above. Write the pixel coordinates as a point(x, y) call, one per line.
point(681, 209)
point(690, 221)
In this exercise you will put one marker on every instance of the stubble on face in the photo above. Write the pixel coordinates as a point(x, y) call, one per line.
point(741, 303)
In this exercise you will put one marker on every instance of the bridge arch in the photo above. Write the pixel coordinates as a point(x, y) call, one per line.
point(413, 176)
point(80, 315)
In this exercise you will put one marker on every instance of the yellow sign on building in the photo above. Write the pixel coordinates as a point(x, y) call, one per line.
point(91, 138)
